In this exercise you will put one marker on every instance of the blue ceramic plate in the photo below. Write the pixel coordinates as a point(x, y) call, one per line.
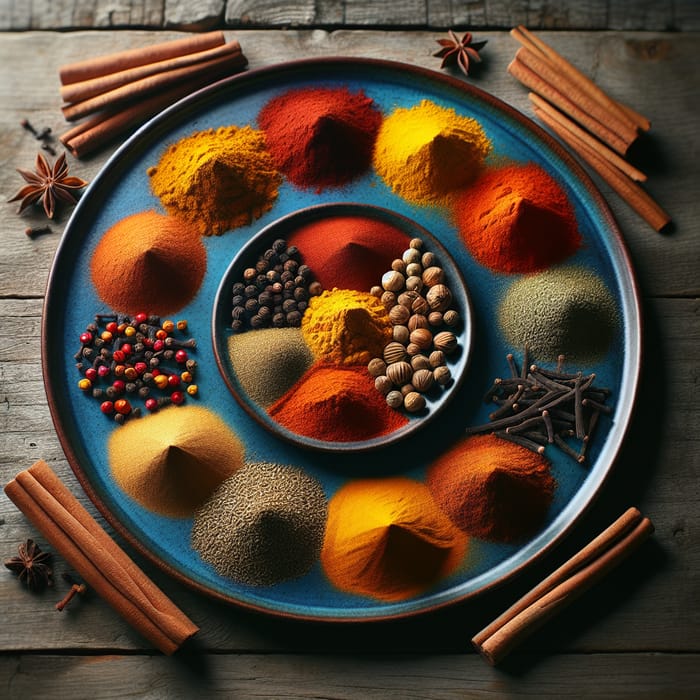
point(122, 188)
point(436, 400)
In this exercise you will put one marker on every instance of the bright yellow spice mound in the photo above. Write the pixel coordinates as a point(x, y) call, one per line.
point(425, 153)
point(219, 179)
point(343, 326)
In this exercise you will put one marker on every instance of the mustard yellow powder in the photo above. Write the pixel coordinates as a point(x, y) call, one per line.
point(425, 153)
point(219, 179)
point(343, 326)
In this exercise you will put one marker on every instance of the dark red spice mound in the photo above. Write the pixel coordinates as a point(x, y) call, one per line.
point(349, 252)
point(321, 137)
point(517, 219)
point(336, 404)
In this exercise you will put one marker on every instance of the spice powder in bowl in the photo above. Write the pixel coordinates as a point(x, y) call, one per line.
point(298, 322)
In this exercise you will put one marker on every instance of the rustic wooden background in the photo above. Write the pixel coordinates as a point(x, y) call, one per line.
point(637, 634)
point(628, 15)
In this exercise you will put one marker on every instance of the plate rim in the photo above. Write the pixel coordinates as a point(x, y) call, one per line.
point(564, 523)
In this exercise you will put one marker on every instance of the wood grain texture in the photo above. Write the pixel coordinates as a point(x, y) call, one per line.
point(637, 634)
point(628, 15)
point(398, 677)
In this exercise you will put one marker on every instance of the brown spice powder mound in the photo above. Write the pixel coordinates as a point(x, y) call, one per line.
point(148, 262)
point(263, 525)
point(492, 489)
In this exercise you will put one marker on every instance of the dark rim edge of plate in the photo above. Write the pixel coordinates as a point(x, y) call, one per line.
point(326, 63)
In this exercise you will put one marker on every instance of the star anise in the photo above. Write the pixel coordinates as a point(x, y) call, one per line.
point(32, 566)
point(48, 184)
point(459, 51)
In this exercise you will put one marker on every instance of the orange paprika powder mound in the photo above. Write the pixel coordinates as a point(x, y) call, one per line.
point(149, 262)
point(517, 219)
point(492, 488)
point(336, 404)
point(386, 538)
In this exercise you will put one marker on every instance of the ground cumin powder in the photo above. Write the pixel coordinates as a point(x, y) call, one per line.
point(171, 461)
point(492, 489)
point(386, 538)
point(148, 262)
point(427, 152)
point(263, 525)
point(218, 179)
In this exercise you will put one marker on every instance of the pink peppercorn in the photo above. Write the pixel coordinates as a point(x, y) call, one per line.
point(151, 404)
point(177, 397)
point(181, 356)
point(122, 406)
point(86, 338)
point(173, 380)
point(119, 386)
point(107, 407)
point(91, 374)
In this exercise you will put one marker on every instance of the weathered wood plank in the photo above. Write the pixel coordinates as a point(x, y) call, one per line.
point(389, 677)
point(629, 15)
point(646, 71)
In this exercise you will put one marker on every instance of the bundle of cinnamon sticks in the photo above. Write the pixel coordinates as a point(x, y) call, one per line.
point(99, 560)
point(120, 91)
point(599, 129)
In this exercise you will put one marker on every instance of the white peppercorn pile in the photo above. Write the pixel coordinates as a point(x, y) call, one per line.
point(263, 525)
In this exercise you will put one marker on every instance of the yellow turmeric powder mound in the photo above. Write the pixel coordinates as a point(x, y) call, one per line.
point(219, 179)
point(425, 153)
point(386, 538)
point(343, 326)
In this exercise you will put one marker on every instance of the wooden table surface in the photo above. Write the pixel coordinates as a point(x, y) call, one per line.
point(637, 634)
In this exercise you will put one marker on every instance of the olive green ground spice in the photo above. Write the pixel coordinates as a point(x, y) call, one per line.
point(269, 361)
point(563, 311)
point(262, 526)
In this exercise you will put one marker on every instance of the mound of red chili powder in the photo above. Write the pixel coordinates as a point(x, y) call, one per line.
point(517, 219)
point(349, 252)
point(336, 404)
point(321, 137)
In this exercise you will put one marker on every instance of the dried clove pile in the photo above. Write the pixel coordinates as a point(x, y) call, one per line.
point(538, 407)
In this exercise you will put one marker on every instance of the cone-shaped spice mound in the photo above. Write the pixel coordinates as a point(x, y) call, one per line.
point(349, 252)
point(336, 404)
point(171, 461)
point(321, 137)
point(427, 152)
point(386, 538)
point(564, 311)
point(148, 262)
point(345, 327)
point(218, 179)
point(517, 219)
point(263, 525)
point(492, 488)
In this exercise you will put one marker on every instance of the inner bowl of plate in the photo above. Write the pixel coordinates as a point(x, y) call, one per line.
point(284, 228)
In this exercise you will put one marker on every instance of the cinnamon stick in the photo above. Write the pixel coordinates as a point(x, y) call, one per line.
point(637, 198)
point(596, 145)
point(102, 564)
point(85, 89)
point(581, 98)
point(563, 586)
point(530, 40)
point(550, 92)
point(105, 127)
point(112, 63)
point(147, 86)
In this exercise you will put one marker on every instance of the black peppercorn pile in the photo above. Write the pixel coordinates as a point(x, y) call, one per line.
point(274, 293)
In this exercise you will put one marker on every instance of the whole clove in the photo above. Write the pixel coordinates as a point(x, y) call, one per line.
point(537, 407)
